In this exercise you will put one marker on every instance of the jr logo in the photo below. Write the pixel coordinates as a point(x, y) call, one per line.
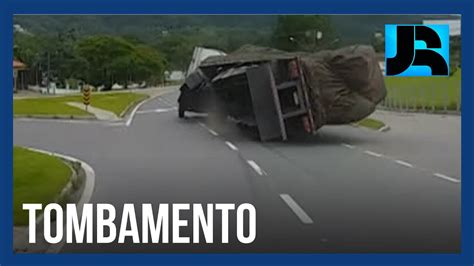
point(416, 50)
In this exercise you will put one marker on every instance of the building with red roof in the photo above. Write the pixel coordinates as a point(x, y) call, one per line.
point(17, 66)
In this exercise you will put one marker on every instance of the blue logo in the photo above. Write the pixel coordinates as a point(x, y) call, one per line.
point(416, 50)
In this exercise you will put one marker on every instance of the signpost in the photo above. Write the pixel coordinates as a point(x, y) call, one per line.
point(86, 98)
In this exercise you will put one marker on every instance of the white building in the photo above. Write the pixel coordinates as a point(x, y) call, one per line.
point(454, 25)
point(176, 76)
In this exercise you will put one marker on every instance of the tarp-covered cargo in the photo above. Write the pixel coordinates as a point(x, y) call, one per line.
point(342, 86)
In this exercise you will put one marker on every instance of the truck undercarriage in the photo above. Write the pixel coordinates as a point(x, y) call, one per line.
point(280, 92)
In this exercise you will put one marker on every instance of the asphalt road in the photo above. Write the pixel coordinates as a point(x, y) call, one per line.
point(345, 190)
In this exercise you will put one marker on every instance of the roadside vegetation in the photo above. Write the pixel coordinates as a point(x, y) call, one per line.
point(70, 53)
point(425, 92)
point(116, 102)
point(51, 106)
point(47, 106)
point(37, 178)
point(101, 60)
point(107, 50)
point(371, 123)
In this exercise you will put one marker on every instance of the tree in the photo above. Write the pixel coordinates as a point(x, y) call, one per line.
point(113, 60)
point(178, 49)
point(30, 50)
point(178, 45)
point(303, 32)
point(52, 54)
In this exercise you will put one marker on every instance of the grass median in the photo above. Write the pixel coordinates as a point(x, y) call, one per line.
point(57, 106)
point(37, 178)
point(371, 123)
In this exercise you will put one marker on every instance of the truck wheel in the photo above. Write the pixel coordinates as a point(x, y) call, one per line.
point(180, 112)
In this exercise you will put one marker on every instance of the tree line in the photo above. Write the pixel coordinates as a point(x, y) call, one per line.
point(105, 59)
point(101, 60)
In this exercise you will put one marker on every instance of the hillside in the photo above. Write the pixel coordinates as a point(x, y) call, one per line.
point(148, 28)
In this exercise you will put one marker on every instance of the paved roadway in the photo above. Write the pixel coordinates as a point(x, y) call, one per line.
point(345, 190)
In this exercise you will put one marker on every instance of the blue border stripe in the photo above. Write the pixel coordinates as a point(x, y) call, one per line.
point(7, 8)
point(236, 7)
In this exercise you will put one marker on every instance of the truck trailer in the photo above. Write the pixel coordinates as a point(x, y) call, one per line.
point(284, 94)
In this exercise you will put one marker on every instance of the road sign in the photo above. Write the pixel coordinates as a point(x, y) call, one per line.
point(86, 98)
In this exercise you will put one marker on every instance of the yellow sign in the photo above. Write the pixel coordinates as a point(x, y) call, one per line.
point(86, 98)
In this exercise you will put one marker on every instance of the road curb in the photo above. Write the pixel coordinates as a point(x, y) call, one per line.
point(99, 114)
point(129, 118)
point(131, 105)
point(384, 128)
point(89, 182)
point(59, 117)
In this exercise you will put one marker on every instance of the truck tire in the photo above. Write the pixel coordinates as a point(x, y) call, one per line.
point(181, 112)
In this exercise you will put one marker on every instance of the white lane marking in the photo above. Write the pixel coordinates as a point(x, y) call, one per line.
point(296, 209)
point(447, 178)
point(158, 110)
point(145, 112)
point(371, 153)
point(208, 129)
point(130, 118)
point(348, 145)
point(256, 167)
point(213, 132)
point(404, 163)
point(400, 162)
point(231, 146)
point(117, 124)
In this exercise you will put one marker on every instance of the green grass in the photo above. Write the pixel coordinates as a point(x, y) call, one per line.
point(37, 178)
point(371, 123)
point(47, 106)
point(114, 102)
point(429, 92)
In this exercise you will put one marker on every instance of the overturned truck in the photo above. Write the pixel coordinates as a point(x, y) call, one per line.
point(282, 93)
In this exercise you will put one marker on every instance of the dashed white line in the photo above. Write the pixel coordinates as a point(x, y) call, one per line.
point(296, 209)
point(403, 163)
point(371, 153)
point(145, 112)
point(447, 178)
point(208, 129)
point(348, 145)
point(231, 146)
point(213, 132)
point(256, 167)
point(400, 162)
